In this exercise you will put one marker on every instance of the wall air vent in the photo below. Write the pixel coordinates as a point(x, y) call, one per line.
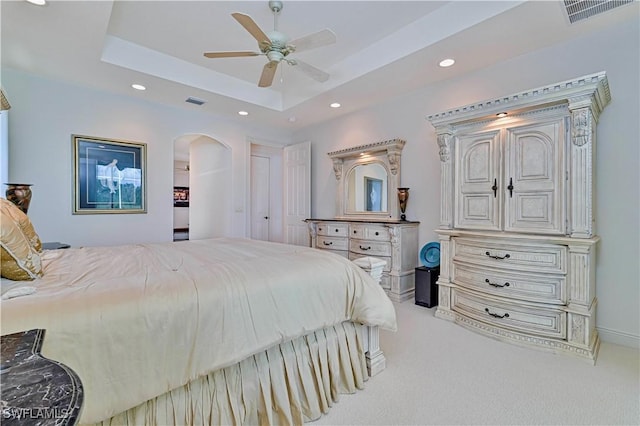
point(195, 101)
point(583, 9)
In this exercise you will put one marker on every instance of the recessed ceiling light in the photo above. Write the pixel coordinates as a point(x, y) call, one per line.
point(243, 113)
point(38, 2)
point(138, 87)
point(335, 105)
point(501, 114)
point(447, 63)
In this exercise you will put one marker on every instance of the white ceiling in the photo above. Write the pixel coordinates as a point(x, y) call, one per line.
point(383, 48)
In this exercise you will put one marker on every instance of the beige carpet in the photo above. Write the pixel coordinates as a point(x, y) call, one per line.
point(440, 373)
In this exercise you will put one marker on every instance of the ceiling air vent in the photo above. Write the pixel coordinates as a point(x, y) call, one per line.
point(583, 9)
point(195, 101)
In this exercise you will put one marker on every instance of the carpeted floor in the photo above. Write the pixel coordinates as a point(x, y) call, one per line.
point(439, 373)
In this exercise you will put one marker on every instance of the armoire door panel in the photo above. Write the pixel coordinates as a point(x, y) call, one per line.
point(533, 180)
point(478, 199)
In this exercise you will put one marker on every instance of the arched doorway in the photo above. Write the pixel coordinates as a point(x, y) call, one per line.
point(208, 166)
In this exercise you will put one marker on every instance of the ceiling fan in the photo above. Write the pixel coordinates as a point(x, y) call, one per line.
point(276, 47)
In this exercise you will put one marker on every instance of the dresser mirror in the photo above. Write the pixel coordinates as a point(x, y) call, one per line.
point(368, 178)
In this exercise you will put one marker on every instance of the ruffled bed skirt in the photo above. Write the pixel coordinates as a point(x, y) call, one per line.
point(289, 384)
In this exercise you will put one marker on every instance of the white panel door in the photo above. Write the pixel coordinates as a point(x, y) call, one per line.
point(534, 178)
point(260, 185)
point(478, 197)
point(297, 193)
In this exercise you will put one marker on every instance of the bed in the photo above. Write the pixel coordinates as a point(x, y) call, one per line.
point(218, 331)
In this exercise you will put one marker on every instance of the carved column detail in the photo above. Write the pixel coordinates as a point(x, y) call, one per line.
point(445, 139)
point(444, 290)
point(581, 179)
point(394, 160)
point(337, 167)
point(581, 274)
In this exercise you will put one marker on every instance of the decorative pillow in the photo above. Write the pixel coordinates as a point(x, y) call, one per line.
point(19, 257)
point(23, 222)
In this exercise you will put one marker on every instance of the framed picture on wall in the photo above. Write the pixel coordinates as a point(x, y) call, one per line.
point(180, 196)
point(109, 176)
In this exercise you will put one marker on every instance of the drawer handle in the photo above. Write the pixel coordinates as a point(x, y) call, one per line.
point(365, 248)
point(377, 233)
point(496, 284)
point(319, 229)
point(337, 230)
point(506, 256)
point(506, 315)
point(355, 232)
point(327, 243)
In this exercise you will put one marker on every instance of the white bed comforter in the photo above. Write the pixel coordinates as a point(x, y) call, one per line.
point(137, 321)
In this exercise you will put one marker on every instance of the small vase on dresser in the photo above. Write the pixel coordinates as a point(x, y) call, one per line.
point(517, 231)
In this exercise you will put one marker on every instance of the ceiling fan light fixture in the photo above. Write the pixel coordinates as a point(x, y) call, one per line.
point(274, 56)
point(276, 47)
point(335, 105)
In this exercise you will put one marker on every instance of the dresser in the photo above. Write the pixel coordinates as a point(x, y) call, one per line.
point(395, 242)
point(517, 230)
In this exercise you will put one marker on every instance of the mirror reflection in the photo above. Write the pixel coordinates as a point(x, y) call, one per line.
point(366, 189)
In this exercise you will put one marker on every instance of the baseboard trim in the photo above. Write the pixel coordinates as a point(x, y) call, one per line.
point(619, 337)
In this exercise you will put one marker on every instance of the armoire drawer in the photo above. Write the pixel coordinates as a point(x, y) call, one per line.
point(369, 232)
point(387, 267)
point(537, 320)
point(545, 288)
point(333, 229)
point(332, 243)
point(370, 248)
point(512, 255)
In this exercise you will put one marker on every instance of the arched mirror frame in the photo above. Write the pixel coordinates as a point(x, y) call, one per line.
point(388, 154)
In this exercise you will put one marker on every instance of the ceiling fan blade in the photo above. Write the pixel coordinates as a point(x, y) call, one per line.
point(230, 54)
point(311, 41)
point(268, 72)
point(248, 23)
point(310, 70)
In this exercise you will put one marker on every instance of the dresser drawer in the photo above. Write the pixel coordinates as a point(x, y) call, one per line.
point(370, 248)
point(387, 267)
point(528, 287)
point(369, 232)
point(332, 243)
point(513, 255)
point(541, 321)
point(333, 229)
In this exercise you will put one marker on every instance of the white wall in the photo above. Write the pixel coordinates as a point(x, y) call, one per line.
point(45, 113)
point(618, 220)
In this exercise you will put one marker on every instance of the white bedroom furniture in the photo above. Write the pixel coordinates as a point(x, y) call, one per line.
point(394, 242)
point(517, 222)
point(367, 221)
